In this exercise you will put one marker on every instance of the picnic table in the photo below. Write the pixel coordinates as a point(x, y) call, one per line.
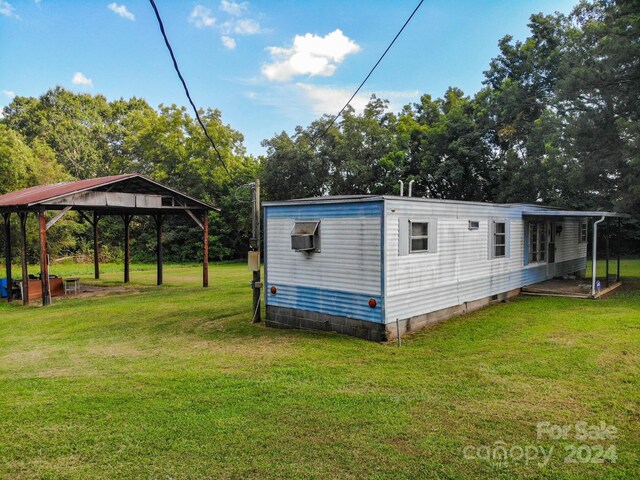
point(71, 285)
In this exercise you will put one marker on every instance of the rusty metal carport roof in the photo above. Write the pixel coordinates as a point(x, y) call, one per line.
point(119, 196)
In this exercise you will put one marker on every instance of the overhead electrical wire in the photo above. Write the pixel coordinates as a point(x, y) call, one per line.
point(317, 138)
point(186, 89)
point(324, 132)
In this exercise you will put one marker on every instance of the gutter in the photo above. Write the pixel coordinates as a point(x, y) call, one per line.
point(593, 255)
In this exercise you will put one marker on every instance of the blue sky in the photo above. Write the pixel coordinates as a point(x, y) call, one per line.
point(267, 65)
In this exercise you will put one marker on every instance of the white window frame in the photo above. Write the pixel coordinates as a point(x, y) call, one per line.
point(419, 237)
point(539, 254)
point(494, 236)
point(584, 224)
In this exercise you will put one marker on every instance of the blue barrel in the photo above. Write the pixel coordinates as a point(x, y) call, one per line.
point(3, 288)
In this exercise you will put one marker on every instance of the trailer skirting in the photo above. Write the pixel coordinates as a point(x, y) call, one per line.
point(283, 317)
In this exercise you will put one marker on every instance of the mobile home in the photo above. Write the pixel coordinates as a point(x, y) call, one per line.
point(371, 266)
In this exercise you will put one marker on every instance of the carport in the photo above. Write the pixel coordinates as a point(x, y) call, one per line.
point(125, 196)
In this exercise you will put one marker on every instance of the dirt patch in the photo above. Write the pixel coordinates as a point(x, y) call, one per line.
point(89, 291)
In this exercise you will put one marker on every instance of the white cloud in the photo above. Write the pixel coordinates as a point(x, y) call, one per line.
point(80, 78)
point(7, 9)
point(234, 8)
point(246, 27)
point(201, 17)
point(228, 42)
point(330, 100)
point(303, 102)
point(310, 55)
point(121, 10)
point(8, 93)
point(243, 26)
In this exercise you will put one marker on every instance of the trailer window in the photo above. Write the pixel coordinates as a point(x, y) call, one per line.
point(537, 242)
point(499, 239)
point(583, 231)
point(419, 237)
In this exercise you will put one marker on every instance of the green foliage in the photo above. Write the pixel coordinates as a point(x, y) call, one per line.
point(448, 156)
point(64, 135)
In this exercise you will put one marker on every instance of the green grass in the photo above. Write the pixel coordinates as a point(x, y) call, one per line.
point(174, 382)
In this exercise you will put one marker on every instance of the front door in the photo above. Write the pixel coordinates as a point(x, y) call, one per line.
point(551, 249)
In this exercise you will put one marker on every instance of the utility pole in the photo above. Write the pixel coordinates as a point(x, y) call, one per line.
point(254, 252)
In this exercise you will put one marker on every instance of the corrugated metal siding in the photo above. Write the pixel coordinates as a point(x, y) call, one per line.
point(567, 244)
point(315, 211)
point(340, 279)
point(461, 270)
point(345, 304)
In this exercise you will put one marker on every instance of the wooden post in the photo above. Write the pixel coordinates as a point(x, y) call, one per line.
point(159, 220)
point(618, 242)
point(96, 246)
point(256, 244)
point(205, 251)
point(44, 260)
point(8, 256)
point(127, 246)
point(25, 260)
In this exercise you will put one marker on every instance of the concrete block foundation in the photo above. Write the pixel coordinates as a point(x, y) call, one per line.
point(282, 317)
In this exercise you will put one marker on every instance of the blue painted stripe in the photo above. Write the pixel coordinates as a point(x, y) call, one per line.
point(318, 212)
point(330, 302)
point(537, 274)
point(532, 275)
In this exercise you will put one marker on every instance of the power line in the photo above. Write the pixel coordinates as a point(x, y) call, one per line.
point(186, 89)
point(324, 132)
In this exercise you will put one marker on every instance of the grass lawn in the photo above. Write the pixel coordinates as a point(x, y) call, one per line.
point(174, 382)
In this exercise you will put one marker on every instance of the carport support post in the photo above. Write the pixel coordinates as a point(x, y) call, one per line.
point(96, 246)
point(127, 246)
point(618, 243)
point(205, 250)
point(159, 220)
point(44, 260)
point(25, 260)
point(7, 246)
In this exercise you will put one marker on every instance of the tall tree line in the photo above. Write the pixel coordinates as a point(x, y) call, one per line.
point(557, 121)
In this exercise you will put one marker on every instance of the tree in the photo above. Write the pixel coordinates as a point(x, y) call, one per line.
point(448, 154)
point(17, 161)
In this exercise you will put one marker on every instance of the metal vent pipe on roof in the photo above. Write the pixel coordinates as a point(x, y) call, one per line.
point(410, 184)
point(401, 187)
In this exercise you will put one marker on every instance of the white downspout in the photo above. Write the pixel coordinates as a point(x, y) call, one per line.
point(593, 255)
point(401, 188)
point(410, 184)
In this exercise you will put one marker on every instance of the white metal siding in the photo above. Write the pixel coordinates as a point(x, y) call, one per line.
point(461, 270)
point(349, 261)
point(567, 246)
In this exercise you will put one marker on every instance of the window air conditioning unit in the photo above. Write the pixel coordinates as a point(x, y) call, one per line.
point(305, 236)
